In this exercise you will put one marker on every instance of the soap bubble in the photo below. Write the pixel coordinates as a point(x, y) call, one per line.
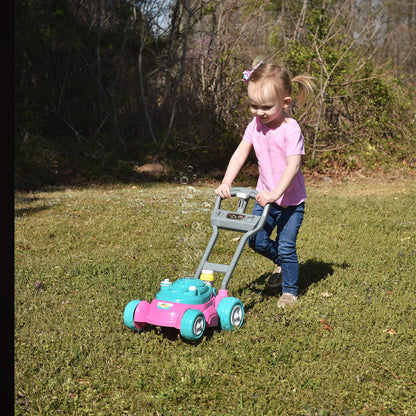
point(187, 176)
point(184, 180)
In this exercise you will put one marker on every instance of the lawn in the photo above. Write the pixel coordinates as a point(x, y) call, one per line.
point(347, 347)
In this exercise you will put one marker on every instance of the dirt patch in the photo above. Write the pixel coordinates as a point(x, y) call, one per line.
point(156, 169)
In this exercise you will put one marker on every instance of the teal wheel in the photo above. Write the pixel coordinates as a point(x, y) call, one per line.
point(129, 313)
point(192, 324)
point(231, 313)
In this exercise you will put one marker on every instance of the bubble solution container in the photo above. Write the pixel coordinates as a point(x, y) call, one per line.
point(207, 276)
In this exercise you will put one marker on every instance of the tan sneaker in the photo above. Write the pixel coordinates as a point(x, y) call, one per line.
point(287, 299)
point(275, 279)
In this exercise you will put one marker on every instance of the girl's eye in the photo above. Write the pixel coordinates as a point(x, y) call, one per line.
point(263, 108)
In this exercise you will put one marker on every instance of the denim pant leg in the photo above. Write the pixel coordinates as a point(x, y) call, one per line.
point(287, 232)
point(261, 242)
point(283, 250)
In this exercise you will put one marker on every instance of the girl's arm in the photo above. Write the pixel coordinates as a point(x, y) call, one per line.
point(292, 167)
point(236, 162)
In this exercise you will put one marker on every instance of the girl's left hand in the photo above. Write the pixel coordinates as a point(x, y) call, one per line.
point(265, 197)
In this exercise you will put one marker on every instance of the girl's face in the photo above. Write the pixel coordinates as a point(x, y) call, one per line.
point(265, 105)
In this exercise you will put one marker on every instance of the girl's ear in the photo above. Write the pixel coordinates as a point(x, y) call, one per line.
point(286, 102)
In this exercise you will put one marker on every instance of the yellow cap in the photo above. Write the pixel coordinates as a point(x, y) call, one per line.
point(207, 275)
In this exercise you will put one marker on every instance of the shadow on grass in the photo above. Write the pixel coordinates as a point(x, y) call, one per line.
point(311, 271)
point(29, 210)
point(173, 334)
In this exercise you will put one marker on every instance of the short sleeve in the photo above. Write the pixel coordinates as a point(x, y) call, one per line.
point(248, 134)
point(294, 141)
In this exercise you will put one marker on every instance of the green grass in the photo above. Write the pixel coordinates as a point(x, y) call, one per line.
point(347, 347)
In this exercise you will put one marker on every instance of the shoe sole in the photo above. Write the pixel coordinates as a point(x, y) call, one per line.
point(275, 285)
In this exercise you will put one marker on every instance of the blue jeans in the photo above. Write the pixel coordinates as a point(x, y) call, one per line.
point(281, 251)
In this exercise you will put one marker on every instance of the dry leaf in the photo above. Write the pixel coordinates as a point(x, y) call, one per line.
point(236, 239)
point(390, 331)
point(325, 325)
point(326, 294)
point(83, 381)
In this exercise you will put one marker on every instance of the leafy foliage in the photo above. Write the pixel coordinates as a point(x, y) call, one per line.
point(102, 87)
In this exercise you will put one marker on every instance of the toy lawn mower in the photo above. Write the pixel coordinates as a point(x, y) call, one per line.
point(191, 304)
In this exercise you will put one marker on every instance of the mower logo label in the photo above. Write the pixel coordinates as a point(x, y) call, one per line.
point(164, 305)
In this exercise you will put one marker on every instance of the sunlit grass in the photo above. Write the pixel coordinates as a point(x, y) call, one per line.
point(347, 347)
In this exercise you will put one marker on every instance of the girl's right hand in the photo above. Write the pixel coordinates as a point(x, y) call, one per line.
point(224, 191)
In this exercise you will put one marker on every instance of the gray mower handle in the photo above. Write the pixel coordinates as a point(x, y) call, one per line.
point(249, 224)
point(252, 193)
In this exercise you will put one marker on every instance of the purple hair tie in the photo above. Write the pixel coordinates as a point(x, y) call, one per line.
point(247, 74)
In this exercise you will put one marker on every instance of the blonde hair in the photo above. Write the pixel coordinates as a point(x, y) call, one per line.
point(276, 79)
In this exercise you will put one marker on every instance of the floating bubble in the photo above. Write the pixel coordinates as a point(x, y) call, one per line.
point(184, 180)
point(196, 226)
point(190, 168)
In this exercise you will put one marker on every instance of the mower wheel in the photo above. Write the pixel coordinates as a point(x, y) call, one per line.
point(129, 314)
point(192, 324)
point(231, 313)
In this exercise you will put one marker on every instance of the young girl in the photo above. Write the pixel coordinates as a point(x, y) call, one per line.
point(278, 144)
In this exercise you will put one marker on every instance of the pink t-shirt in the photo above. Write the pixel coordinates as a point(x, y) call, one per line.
point(272, 147)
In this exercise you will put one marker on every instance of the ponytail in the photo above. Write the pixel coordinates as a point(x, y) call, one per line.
point(306, 87)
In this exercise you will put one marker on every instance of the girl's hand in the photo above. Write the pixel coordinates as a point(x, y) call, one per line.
point(224, 191)
point(265, 197)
